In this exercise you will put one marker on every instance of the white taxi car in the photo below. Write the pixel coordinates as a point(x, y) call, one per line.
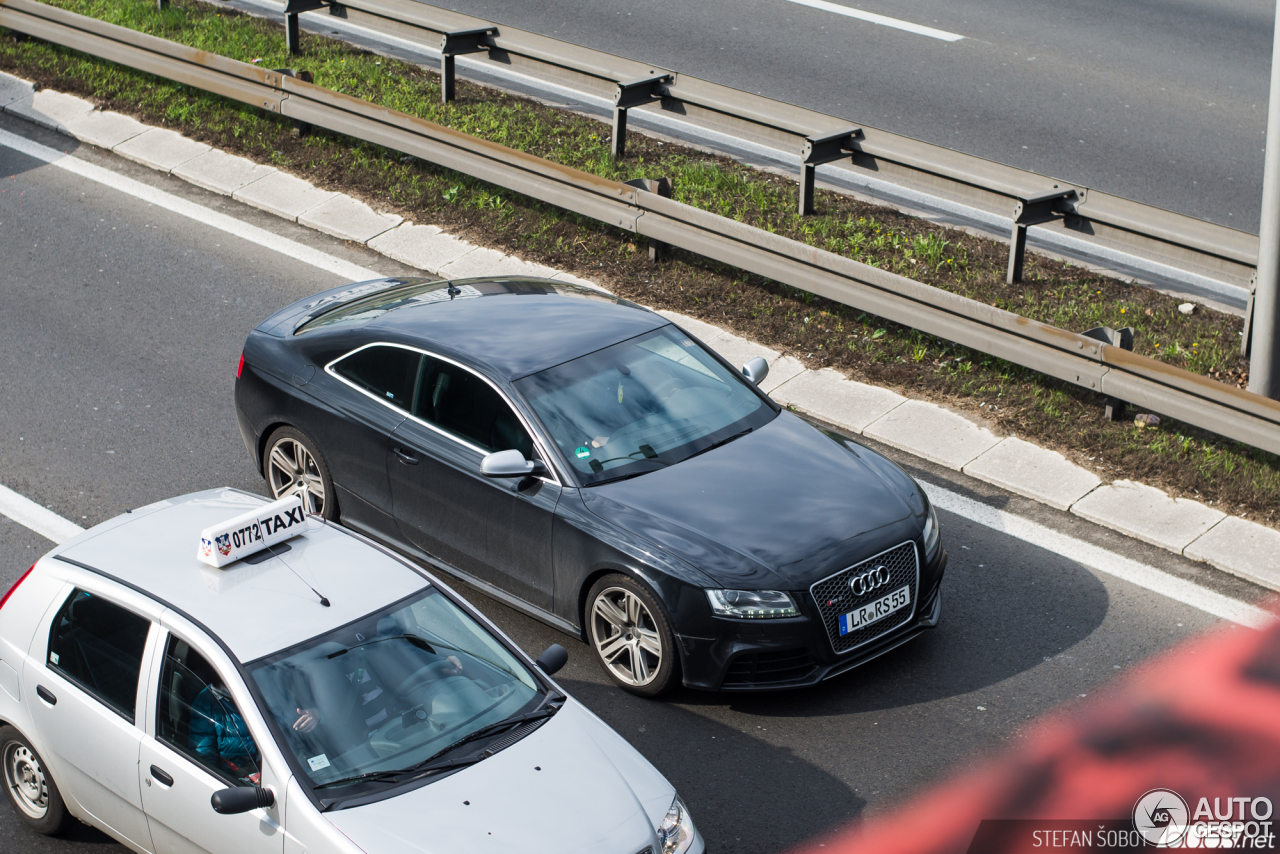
point(216, 673)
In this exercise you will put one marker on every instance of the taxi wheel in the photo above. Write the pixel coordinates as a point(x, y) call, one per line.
point(294, 465)
point(31, 790)
point(631, 636)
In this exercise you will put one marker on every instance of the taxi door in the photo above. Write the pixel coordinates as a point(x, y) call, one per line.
point(197, 742)
point(84, 675)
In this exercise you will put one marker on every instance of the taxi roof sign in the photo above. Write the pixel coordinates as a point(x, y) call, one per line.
point(252, 532)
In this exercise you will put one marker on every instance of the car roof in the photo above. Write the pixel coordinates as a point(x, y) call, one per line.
point(514, 326)
point(254, 609)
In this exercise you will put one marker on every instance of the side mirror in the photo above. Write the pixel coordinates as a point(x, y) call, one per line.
point(510, 464)
point(241, 799)
point(756, 370)
point(553, 659)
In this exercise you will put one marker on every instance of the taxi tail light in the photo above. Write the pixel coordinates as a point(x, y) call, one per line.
point(6, 596)
point(240, 367)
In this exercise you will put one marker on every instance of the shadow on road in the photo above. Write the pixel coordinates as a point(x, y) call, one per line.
point(745, 794)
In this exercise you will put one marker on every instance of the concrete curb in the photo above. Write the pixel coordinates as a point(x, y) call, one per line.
point(1185, 527)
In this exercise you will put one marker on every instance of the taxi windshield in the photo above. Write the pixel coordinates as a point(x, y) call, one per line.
point(641, 405)
point(371, 701)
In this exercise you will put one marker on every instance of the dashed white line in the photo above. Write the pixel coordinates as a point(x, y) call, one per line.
point(29, 514)
point(191, 210)
point(1095, 557)
point(882, 20)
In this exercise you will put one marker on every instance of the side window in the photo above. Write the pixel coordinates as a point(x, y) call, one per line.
point(197, 717)
point(389, 373)
point(98, 645)
point(459, 402)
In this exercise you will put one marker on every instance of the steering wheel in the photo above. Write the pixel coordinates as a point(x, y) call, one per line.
point(429, 675)
point(668, 387)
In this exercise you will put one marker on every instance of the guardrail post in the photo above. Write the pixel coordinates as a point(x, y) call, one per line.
point(161, 4)
point(633, 93)
point(1264, 348)
point(822, 149)
point(299, 128)
point(1034, 210)
point(1246, 334)
point(292, 37)
point(658, 251)
point(459, 42)
point(1122, 338)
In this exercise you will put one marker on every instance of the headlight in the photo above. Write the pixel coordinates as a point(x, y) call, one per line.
point(752, 604)
point(931, 533)
point(675, 834)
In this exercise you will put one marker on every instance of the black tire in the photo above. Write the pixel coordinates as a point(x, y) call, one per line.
point(29, 785)
point(631, 635)
point(291, 460)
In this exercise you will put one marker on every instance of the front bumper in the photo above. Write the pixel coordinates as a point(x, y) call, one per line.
point(769, 655)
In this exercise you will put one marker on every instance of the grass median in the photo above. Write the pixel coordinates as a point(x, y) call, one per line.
point(1181, 459)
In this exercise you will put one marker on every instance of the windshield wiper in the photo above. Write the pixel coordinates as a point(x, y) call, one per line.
point(413, 639)
point(726, 440)
point(430, 765)
point(510, 723)
point(393, 775)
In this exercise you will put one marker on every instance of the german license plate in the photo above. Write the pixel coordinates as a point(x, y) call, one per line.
point(867, 614)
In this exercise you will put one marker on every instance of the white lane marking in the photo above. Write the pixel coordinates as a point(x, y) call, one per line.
point(1095, 557)
point(882, 20)
point(44, 522)
point(191, 210)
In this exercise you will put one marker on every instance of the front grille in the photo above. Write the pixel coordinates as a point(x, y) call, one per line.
point(765, 668)
point(904, 569)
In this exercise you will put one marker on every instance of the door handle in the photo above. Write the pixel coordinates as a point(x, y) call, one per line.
point(45, 694)
point(407, 457)
point(161, 777)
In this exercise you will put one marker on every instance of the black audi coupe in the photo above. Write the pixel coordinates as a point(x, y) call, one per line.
point(584, 460)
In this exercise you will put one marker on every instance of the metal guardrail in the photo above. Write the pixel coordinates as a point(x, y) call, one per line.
point(1077, 359)
point(1176, 240)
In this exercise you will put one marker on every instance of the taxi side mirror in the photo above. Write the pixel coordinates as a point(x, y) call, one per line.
point(553, 659)
point(241, 799)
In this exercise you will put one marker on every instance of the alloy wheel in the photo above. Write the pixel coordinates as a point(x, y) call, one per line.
point(626, 636)
point(292, 469)
point(25, 778)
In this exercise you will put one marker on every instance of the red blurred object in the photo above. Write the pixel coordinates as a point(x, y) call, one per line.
point(1202, 721)
point(5, 597)
point(240, 367)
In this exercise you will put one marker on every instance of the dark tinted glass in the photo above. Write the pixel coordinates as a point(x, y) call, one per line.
point(198, 718)
point(98, 645)
point(387, 372)
point(459, 402)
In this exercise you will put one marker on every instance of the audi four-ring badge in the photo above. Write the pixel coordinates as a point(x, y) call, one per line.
point(305, 690)
point(592, 464)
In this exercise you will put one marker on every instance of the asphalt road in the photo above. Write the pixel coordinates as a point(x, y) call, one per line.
point(121, 330)
point(1162, 101)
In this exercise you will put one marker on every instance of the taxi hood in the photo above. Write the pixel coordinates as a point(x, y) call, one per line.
point(572, 785)
point(776, 509)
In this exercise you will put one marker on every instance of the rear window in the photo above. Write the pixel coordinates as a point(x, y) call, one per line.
point(375, 305)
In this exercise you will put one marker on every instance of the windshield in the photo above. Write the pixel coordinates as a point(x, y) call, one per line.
point(391, 691)
point(641, 405)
